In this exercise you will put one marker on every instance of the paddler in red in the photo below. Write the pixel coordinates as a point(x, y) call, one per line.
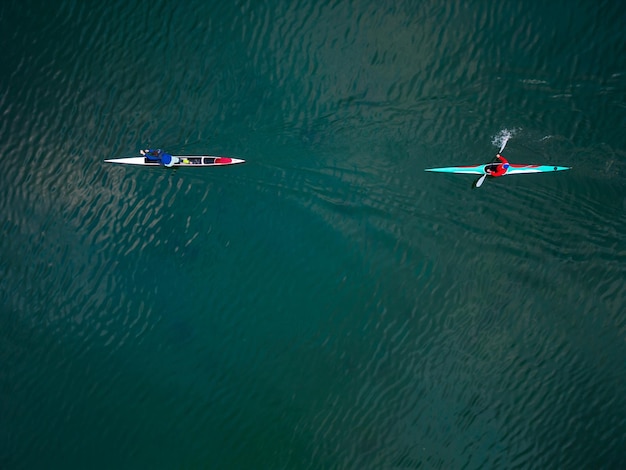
point(498, 169)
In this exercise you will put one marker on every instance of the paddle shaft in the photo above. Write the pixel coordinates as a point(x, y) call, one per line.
point(480, 181)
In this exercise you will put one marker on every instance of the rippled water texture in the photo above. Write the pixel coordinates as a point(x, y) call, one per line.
point(328, 304)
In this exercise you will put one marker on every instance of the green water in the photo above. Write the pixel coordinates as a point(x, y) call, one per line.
point(328, 304)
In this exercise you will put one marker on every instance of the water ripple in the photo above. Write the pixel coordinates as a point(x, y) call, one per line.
point(328, 302)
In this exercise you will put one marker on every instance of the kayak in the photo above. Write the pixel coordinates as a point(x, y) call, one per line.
point(183, 161)
point(512, 170)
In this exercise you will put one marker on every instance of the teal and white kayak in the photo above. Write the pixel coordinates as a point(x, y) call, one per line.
point(183, 161)
point(512, 170)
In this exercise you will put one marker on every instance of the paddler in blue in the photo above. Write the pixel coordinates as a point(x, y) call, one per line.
point(159, 156)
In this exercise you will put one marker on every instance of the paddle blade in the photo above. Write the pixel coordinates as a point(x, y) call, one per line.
point(480, 180)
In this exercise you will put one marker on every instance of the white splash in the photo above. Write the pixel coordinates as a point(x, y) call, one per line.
point(502, 137)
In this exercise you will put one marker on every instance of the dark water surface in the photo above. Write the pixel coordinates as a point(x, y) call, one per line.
point(328, 304)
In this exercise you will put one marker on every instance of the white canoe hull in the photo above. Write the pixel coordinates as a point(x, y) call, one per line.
point(184, 161)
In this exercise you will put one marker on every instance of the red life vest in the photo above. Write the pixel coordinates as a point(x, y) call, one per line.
point(500, 170)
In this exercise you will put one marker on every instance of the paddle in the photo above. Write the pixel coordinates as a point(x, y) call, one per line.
point(480, 180)
point(506, 139)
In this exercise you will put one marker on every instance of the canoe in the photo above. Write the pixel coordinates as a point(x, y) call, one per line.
point(184, 161)
point(514, 169)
